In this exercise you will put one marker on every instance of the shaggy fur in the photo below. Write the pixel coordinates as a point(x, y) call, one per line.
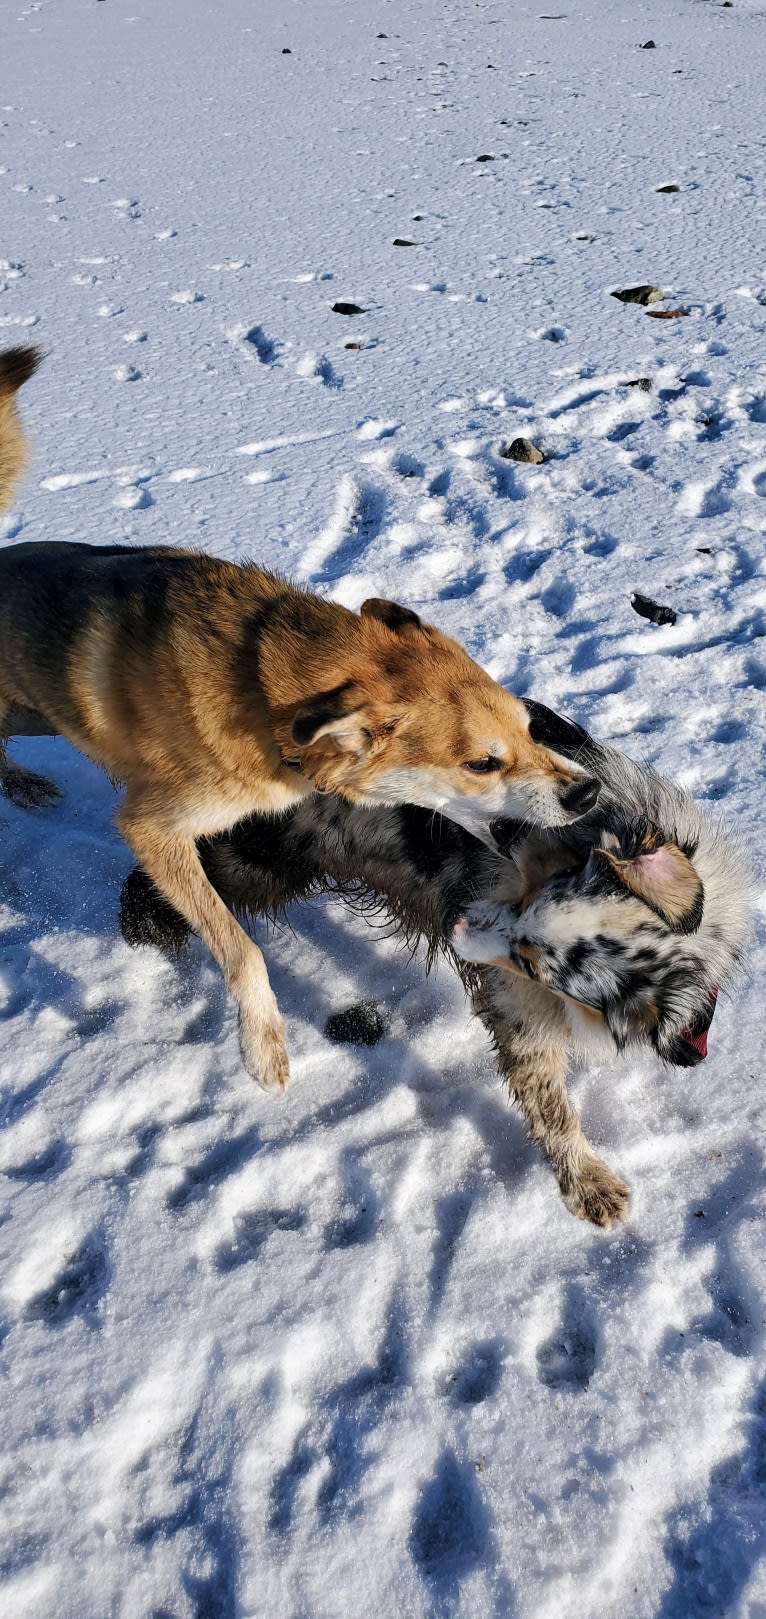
point(598, 968)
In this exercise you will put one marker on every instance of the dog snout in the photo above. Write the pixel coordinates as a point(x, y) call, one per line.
point(581, 797)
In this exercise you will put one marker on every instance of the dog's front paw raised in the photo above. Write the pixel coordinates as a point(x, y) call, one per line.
point(593, 1192)
point(264, 1052)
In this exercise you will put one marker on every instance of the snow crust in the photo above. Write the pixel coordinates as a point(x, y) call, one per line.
point(348, 1353)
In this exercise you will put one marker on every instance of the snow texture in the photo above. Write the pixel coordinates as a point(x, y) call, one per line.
point(348, 1353)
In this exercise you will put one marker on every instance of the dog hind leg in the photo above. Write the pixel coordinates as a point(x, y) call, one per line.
point(23, 787)
point(173, 863)
point(534, 1067)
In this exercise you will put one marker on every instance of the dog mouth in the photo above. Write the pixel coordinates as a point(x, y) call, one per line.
point(690, 1046)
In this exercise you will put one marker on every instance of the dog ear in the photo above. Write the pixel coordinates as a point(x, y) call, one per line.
point(667, 882)
point(391, 614)
point(338, 714)
point(556, 731)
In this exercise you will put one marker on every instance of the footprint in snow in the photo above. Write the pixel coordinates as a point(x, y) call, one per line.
point(220, 1161)
point(567, 1360)
point(478, 1375)
point(451, 1529)
point(77, 1289)
point(317, 368)
point(252, 1230)
point(254, 340)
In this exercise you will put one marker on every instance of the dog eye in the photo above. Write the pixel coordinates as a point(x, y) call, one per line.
point(483, 767)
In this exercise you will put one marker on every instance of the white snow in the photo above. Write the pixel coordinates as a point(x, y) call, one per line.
point(348, 1353)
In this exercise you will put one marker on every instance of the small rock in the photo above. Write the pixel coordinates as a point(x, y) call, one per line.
point(358, 1025)
point(343, 308)
point(654, 611)
point(522, 449)
point(645, 294)
point(663, 191)
point(644, 383)
point(648, 45)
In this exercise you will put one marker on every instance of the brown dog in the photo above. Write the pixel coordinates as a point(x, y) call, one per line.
point(216, 691)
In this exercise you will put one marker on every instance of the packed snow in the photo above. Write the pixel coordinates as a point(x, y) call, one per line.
point(348, 1353)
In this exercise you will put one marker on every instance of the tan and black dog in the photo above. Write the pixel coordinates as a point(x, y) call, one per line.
point(213, 691)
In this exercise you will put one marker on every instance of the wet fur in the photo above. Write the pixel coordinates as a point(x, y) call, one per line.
point(645, 982)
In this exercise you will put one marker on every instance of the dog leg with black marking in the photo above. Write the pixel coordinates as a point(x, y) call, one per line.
point(172, 861)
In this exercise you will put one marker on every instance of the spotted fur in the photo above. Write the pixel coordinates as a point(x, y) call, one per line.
point(597, 968)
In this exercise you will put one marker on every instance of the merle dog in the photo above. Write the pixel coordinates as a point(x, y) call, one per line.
point(614, 932)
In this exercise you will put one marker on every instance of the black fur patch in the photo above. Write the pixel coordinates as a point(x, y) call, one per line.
point(680, 1053)
point(429, 841)
point(16, 367)
point(392, 614)
point(554, 731)
point(146, 917)
point(322, 710)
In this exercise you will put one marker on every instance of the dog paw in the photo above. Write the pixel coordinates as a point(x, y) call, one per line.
point(27, 790)
point(264, 1053)
point(594, 1193)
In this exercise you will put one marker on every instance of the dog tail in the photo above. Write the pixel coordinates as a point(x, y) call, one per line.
point(16, 367)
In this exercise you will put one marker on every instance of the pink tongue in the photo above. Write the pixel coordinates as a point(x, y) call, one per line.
point(698, 1041)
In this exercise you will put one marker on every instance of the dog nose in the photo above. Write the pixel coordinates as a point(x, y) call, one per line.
point(505, 833)
point(582, 796)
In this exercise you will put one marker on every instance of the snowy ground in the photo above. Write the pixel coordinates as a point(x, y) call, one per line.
point(348, 1353)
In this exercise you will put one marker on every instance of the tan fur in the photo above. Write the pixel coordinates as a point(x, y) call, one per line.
point(16, 366)
point(215, 691)
point(662, 878)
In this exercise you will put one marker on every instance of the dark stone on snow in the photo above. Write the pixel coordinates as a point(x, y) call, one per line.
point(645, 294)
point(654, 611)
point(343, 308)
point(358, 1025)
point(522, 449)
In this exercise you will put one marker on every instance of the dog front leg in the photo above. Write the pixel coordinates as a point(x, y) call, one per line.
point(534, 1065)
point(173, 864)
